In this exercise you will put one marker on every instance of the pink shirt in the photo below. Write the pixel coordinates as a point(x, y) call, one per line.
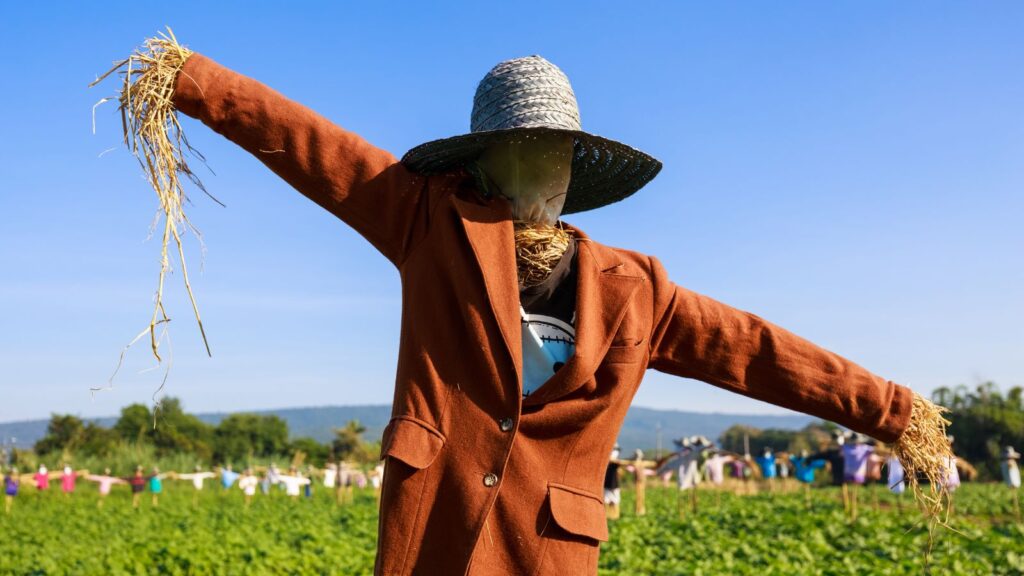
point(105, 482)
point(42, 480)
point(67, 482)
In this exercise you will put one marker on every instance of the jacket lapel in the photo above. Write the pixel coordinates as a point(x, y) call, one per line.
point(489, 229)
point(602, 295)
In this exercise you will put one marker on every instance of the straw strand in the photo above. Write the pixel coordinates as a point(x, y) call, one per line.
point(154, 136)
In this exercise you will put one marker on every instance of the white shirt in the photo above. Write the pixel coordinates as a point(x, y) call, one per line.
point(292, 484)
point(248, 485)
point(197, 478)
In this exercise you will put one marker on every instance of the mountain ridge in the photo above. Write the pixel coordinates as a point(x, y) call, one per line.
point(639, 430)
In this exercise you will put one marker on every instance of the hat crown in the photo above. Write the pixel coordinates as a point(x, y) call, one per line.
point(528, 92)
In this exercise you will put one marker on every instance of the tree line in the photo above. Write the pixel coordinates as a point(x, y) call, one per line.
point(984, 421)
point(168, 430)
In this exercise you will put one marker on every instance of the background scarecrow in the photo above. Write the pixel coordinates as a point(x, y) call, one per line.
point(523, 340)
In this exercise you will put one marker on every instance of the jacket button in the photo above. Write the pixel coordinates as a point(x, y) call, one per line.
point(505, 424)
point(490, 479)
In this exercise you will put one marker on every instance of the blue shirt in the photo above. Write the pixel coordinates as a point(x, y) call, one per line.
point(767, 464)
point(803, 469)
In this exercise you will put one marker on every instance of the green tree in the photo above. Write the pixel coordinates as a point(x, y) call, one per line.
point(177, 431)
point(984, 421)
point(348, 443)
point(316, 453)
point(135, 424)
point(812, 437)
point(67, 435)
point(241, 436)
point(64, 433)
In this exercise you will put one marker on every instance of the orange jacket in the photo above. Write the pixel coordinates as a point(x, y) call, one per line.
point(480, 480)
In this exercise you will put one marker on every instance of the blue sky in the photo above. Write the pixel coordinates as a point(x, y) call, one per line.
point(853, 171)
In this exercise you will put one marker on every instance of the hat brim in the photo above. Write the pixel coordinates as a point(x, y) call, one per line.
point(603, 171)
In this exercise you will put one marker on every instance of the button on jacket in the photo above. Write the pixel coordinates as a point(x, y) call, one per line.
point(479, 479)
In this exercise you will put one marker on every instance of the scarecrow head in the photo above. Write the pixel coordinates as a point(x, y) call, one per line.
point(839, 437)
point(526, 146)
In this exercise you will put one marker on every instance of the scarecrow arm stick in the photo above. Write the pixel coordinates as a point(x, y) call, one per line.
point(697, 337)
point(359, 183)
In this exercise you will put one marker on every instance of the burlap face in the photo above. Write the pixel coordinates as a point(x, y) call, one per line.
point(532, 172)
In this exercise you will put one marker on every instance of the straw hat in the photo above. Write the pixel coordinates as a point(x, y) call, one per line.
point(526, 96)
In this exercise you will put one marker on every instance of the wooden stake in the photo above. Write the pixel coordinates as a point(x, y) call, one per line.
point(1016, 503)
point(853, 501)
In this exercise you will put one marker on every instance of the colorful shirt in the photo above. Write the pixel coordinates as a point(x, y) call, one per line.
point(292, 484)
point(952, 474)
point(767, 464)
point(105, 482)
point(248, 485)
point(227, 478)
point(548, 316)
point(10, 485)
point(803, 468)
point(67, 480)
point(834, 456)
point(611, 476)
point(855, 462)
point(330, 477)
point(896, 474)
point(685, 463)
point(156, 484)
point(715, 467)
point(138, 483)
point(197, 478)
point(1011, 473)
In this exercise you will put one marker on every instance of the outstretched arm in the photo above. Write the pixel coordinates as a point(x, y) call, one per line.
point(698, 337)
point(363, 185)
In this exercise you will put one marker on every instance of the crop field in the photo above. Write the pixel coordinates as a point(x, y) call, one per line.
point(727, 534)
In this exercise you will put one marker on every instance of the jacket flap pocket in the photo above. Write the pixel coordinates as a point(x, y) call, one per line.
point(412, 441)
point(578, 511)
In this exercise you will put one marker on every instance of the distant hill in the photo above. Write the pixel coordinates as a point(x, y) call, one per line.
point(640, 430)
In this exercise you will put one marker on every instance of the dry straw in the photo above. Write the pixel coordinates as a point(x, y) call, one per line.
point(925, 452)
point(539, 247)
point(154, 136)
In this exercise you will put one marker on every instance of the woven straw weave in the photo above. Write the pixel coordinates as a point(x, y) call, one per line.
point(526, 96)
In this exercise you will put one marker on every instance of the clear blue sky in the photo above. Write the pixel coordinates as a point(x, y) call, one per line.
point(853, 171)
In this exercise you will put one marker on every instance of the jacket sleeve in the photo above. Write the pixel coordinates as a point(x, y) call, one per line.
point(359, 183)
point(697, 337)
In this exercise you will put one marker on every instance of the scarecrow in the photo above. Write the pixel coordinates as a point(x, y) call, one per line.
point(523, 340)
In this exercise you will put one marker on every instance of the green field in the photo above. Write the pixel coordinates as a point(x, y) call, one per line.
point(763, 534)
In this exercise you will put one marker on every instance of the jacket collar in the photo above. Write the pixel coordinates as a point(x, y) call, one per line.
point(603, 291)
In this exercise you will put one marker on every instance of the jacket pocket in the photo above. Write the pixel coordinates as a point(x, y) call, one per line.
point(409, 446)
point(633, 351)
point(577, 511)
point(411, 441)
